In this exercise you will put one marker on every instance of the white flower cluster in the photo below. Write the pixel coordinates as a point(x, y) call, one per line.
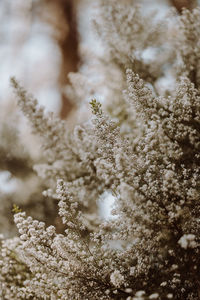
point(116, 278)
point(152, 170)
point(187, 241)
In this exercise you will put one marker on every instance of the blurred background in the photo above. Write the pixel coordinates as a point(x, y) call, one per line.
point(41, 42)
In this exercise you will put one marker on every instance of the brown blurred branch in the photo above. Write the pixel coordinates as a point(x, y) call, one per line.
point(180, 4)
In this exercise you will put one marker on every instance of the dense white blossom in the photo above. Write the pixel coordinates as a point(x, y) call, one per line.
point(187, 241)
point(151, 249)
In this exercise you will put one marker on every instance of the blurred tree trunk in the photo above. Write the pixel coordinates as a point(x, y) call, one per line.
point(61, 16)
point(69, 49)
